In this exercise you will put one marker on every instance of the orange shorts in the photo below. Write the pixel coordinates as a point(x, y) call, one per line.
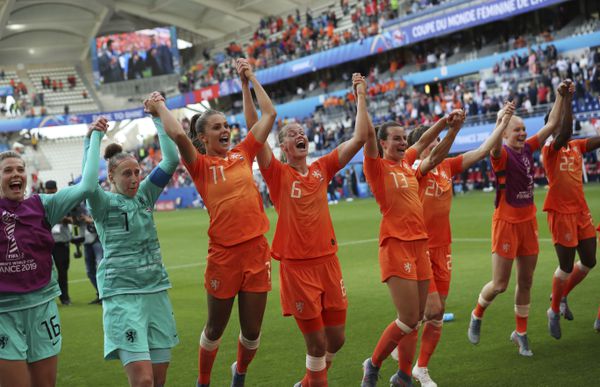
point(569, 229)
point(311, 286)
point(511, 240)
point(243, 267)
point(404, 259)
point(441, 266)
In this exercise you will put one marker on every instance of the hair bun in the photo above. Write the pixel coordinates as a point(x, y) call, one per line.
point(112, 150)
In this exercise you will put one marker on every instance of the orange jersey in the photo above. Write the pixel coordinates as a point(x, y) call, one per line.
point(504, 210)
point(227, 187)
point(435, 192)
point(396, 190)
point(565, 177)
point(304, 229)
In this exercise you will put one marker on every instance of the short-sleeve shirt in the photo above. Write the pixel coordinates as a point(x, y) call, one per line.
point(435, 192)
point(227, 187)
point(505, 211)
point(304, 228)
point(396, 190)
point(565, 177)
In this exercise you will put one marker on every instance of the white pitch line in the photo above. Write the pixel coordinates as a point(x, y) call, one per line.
point(348, 243)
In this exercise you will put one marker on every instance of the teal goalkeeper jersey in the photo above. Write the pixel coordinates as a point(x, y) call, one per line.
point(56, 207)
point(132, 262)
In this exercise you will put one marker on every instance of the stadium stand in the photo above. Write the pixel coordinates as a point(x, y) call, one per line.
point(78, 98)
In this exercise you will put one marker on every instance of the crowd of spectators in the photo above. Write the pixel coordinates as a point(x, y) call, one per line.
point(530, 80)
point(280, 39)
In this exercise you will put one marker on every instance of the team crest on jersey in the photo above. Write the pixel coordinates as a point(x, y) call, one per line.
point(3, 341)
point(299, 306)
point(317, 175)
point(236, 156)
point(505, 247)
point(214, 284)
point(568, 237)
point(131, 335)
point(407, 267)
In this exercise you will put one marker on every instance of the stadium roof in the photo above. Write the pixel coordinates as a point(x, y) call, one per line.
point(41, 31)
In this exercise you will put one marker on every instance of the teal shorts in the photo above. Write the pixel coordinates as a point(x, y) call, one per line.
point(138, 323)
point(30, 334)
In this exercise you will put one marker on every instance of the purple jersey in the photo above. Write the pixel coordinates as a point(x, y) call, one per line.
point(25, 246)
point(518, 189)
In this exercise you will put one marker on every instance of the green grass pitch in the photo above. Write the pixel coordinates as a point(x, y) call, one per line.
point(572, 360)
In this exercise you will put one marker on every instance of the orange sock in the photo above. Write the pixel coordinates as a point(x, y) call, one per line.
point(481, 306)
point(205, 363)
point(521, 316)
point(388, 341)
point(246, 350)
point(558, 286)
point(206, 357)
point(316, 378)
point(578, 274)
point(316, 372)
point(304, 381)
point(406, 351)
point(521, 324)
point(432, 331)
point(478, 312)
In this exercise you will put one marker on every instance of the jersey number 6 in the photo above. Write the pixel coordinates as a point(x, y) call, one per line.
point(296, 192)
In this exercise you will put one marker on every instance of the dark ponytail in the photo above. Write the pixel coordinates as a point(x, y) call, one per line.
point(198, 126)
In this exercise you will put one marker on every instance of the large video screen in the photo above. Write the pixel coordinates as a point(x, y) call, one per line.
point(135, 55)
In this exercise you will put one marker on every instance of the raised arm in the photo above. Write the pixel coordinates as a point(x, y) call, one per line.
point(555, 117)
point(170, 159)
point(431, 134)
point(439, 153)
point(59, 204)
point(566, 127)
point(371, 148)
point(250, 113)
point(348, 149)
point(262, 127)
point(473, 156)
point(174, 130)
